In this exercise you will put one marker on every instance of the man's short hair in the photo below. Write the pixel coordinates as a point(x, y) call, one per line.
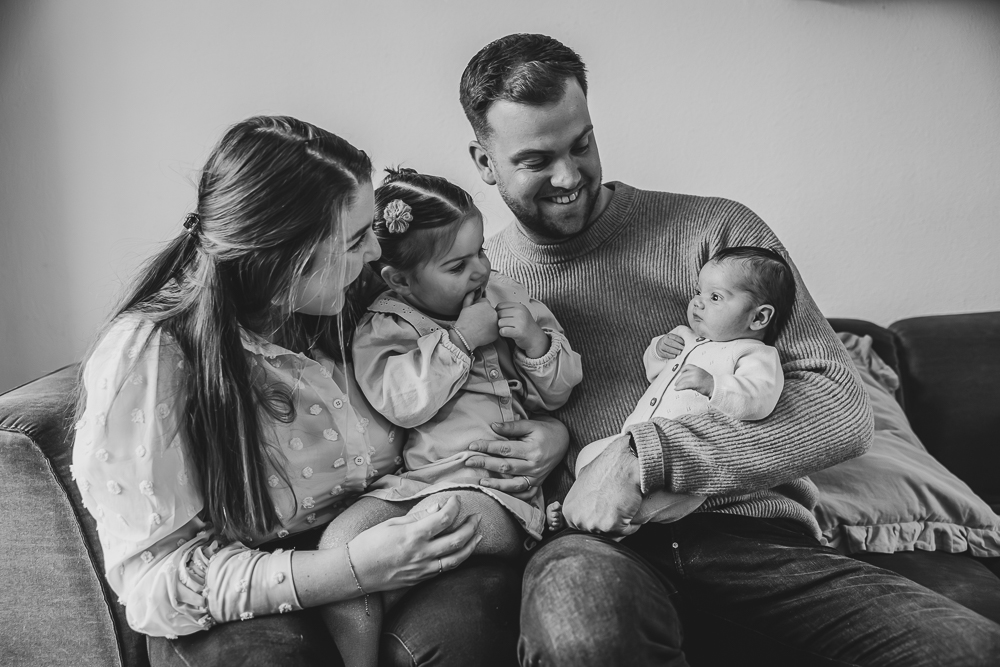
point(768, 278)
point(522, 68)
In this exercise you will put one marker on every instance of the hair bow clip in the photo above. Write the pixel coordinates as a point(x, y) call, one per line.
point(398, 215)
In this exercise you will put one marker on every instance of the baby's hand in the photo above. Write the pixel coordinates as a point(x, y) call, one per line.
point(515, 322)
point(554, 517)
point(669, 346)
point(693, 377)
point(478, 322)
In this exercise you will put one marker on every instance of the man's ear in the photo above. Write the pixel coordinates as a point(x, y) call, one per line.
point(483, 162)
point(762, 317)
point(396, 280)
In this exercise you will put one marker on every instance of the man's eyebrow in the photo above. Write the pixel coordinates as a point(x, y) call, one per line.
point(520, 155)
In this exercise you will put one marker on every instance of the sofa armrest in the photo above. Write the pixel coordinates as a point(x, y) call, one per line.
point(884, 343)
point(58, 608)
point(950, 368)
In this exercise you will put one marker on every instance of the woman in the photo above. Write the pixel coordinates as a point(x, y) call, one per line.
point(221, 424)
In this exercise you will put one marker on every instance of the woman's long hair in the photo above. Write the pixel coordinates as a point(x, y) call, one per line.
point(271, 191)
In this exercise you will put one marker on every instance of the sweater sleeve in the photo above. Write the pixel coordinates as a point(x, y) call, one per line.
point(550, 378)
point(173, 573)
point(822, 417)
point(405, 376)
point(751, 391)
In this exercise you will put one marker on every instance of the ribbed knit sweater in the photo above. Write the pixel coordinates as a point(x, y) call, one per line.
point(627, 278)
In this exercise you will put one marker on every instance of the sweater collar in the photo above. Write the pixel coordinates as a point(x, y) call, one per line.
point(607, 225)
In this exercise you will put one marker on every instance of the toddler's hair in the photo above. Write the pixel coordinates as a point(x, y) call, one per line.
point(436, 205)
point(768, 278)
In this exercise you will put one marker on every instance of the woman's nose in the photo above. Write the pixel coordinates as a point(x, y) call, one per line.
point(372, 249)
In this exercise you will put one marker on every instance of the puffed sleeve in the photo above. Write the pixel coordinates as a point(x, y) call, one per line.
point(406, 377)
point(549, 379)
point(174, 575)
point(752, 390)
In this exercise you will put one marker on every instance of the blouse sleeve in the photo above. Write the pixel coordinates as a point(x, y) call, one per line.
point(407, 377)
point(752, 390)
point(173, 573)
point(550, 378)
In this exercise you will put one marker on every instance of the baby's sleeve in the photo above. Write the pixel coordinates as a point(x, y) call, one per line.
point(752, 390)
point(173, 573)
point(549, 379)
point(405, 376)
point(651, 359)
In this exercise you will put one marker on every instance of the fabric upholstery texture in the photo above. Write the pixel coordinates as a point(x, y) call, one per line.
point(62, 609)
point(897, 497)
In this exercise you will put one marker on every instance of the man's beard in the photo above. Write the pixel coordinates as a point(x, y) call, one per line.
point(536, 222)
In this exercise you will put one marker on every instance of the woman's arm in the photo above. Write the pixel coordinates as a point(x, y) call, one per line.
point(534, 449)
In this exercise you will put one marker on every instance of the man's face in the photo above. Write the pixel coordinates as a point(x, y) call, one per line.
point(545, 163)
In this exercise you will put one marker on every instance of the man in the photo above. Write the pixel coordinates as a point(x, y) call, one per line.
point(618, 265)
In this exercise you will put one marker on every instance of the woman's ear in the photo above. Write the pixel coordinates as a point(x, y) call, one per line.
point(762, 317)
point(396, 280)
point(483, 163)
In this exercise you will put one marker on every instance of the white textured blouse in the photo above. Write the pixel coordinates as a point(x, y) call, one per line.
point(133, 466)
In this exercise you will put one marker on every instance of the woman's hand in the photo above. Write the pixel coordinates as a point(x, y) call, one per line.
point(405, 551)
point(535, 448)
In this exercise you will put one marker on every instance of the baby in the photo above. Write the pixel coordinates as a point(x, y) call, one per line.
point(448, 350)
point(722, 361)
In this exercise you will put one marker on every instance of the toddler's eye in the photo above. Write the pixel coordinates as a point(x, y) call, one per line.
point(458, 268)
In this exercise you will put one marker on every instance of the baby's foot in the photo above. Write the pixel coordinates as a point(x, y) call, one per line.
point(554, 517)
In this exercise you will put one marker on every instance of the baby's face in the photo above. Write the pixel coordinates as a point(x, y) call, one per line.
point(721, 310)
point(440, 285)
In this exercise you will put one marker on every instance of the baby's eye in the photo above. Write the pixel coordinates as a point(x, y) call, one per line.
point(716, 297)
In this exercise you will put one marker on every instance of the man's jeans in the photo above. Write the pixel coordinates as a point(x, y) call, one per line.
point(464, 617)
point(591, 601)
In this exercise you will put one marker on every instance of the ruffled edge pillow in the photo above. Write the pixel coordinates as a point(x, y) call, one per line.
point(897, 497)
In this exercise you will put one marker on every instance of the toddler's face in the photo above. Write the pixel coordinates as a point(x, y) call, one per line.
point(440, 285)
point(721, 310)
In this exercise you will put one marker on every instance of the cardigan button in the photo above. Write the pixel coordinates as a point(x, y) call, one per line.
point(494, 374)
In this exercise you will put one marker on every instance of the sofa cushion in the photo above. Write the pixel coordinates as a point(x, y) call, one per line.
point(950, 366)
point(70, 615)
point(897, 497)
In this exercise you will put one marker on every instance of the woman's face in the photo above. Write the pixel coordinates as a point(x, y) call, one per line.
point(338, 259)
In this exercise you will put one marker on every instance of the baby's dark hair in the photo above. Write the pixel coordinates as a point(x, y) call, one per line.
point(435, 205)
point(768, 278)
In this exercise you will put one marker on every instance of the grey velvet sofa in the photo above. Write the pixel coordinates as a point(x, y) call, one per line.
point(58, 609)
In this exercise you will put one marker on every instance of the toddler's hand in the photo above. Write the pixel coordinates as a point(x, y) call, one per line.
point(693, 377)
point(669, 346)
point(515, 322)
point(478, 322)
point(554, 517)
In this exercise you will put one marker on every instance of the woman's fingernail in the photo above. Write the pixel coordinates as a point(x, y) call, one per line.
point(479, 538)
point(434, 508)
point(474, 446)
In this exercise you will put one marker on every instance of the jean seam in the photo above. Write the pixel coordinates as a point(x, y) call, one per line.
point(180, 655)
point(778, 641)
point(413, 658)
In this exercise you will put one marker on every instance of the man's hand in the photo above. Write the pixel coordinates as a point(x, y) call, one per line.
point(669, 346)
point(606, 494)
point(535, 448)
point(694, 377)
point(515, 322)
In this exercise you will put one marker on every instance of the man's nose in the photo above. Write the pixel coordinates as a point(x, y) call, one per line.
point(566, 175)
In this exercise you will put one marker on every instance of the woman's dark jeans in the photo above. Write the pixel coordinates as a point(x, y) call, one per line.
point(468, 616)
point(739, 583)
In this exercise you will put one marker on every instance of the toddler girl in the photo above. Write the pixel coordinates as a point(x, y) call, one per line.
point(449, 349)
point(722, 361)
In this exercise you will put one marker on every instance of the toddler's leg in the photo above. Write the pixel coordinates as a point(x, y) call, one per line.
point(502, 534)
point(356, 632)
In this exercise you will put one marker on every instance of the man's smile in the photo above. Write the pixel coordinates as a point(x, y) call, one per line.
point(565, 198)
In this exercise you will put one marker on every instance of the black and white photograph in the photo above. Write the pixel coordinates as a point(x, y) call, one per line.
point(502, 334)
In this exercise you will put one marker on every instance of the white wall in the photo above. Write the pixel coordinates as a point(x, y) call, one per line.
point(866, 133)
